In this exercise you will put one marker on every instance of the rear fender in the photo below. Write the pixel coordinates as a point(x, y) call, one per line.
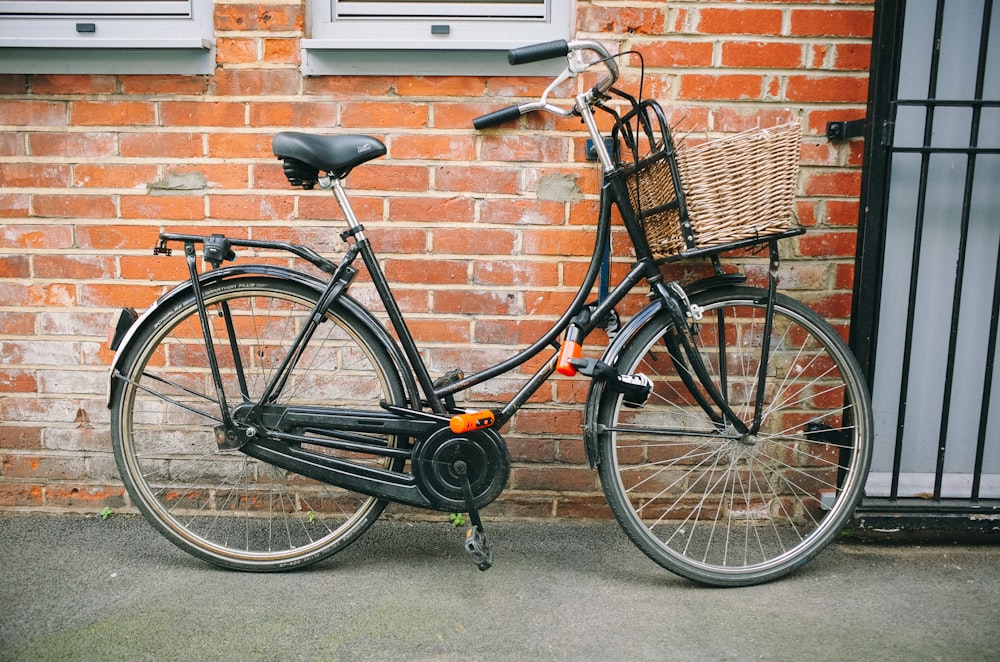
point(183, 290)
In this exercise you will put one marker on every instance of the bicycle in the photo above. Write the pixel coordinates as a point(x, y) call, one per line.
point(263, 418)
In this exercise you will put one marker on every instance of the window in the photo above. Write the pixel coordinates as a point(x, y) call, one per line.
point(109, 36)
point(421, 37)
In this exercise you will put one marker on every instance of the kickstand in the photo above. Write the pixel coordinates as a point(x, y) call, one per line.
point(475, 537)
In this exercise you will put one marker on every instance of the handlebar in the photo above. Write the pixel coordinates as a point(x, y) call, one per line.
point(538, 52)
point(573, 51)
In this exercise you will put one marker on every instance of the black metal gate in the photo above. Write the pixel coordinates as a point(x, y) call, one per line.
point(927, 290)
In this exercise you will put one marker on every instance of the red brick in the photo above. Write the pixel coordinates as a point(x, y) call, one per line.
point(725, 21)
point(852, 57)
point(721, 86)
point(384, 114)
point(77, 84)
point(32, 175)
point(76, 267)
point(476, 179)
point(475, 302)
point(516, 274)
point(840, 22)
point(432, 147)
point(118, 296)
point(166, 85)
point(15, 266)
point(256, 82)
point(196, 113)
point(160, 145)
point(293, 115)
point(456, 209)
point(85, 496)
point(113, 175)
point(18, 381)
point(396, 177)
point(548, 149)
point(73, 206)
point(678, 53)
point(835, 183)
point(279, 18)
point(229, 50)
point(620, 19)
point(11, 144)
point(19, 436)
point(761, 54)
point(13, 84)
point(835, 89)
point(474, 241)
point(283, 50)
point(250, 207)
point(36, 236)
point(165, 207)
point(240, 145)
point(33, 113)
point(558, 242)
point(523, 212)
point(21, 494)
point(104, 237)
point(80, 145)
point(112, 113)
point(435, 272)
point(440, 87)
point(828, 244)
point(13, 205)
point(348, 87)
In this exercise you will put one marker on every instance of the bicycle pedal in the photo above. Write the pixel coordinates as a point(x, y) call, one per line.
point(475, 546)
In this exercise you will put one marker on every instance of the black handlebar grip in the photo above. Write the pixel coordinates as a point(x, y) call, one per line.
point(497, 117)
point(538, 52)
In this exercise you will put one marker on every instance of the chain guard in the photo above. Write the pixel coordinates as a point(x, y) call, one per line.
point(485, 454)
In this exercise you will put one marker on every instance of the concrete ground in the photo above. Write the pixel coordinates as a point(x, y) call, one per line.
point(75, 588)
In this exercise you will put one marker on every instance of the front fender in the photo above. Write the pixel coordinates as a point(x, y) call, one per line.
point(591, 435)
point(243, 271)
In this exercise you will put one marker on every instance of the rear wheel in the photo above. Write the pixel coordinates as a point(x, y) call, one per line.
point(721, 507)
point(224, 506)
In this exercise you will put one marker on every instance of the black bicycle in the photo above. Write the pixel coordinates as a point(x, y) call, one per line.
point(262, 418)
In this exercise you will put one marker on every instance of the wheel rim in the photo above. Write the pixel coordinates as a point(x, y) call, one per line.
point(712, 503)
point(224, 506)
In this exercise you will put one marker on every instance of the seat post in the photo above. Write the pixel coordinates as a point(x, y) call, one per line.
point(337, 184)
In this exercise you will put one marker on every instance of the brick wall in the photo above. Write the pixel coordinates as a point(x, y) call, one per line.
point(93, 167)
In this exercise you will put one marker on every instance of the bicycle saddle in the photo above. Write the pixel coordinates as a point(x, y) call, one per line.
point(304, 154)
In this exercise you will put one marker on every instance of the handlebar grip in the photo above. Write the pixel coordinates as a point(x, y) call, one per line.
point(497, 117)
point(538, 52)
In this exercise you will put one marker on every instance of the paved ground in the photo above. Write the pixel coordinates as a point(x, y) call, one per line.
point(74, 588)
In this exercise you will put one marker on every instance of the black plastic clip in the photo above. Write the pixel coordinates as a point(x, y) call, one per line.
point(347, 234)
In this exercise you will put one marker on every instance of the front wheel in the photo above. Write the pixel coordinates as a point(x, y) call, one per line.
point(721, 507)
point(222, 505)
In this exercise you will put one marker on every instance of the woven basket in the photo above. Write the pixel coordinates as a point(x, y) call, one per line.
point(735, 188)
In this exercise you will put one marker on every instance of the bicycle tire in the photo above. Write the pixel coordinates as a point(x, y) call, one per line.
point(224, 506)
point(724, 509)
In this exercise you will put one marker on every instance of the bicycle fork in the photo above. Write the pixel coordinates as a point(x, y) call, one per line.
point(690, 366)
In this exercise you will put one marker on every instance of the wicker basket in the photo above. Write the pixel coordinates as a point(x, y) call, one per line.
point(735, 188)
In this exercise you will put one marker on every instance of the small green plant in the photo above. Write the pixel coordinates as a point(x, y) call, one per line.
point(107, 513)
point(457, 519)
point(311, 517)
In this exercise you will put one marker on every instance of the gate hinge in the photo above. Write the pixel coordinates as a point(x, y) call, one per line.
point(836, 131)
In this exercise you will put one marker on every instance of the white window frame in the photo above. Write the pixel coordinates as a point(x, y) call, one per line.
point(138, 36)
point(400, 37)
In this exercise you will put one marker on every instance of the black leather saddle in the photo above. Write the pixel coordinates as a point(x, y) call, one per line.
point(304, 155)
